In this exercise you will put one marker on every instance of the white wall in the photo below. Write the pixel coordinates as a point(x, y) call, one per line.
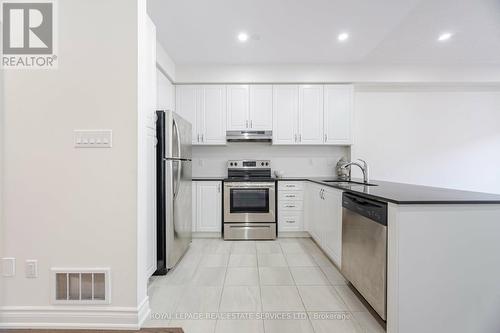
point(294, 161)
point(323, 73)
point(70, 207)
point(165, 62)
point(439, 136)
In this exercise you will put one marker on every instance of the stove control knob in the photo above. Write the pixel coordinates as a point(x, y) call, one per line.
point(267, 163)
point(262, 164)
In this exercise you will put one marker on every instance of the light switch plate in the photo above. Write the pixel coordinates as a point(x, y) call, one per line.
point(31, 269)
point(8, 267)
point(93, 138)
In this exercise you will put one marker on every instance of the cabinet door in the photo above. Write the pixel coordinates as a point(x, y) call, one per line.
point(332, 224)
point(311, 114)
point(237, 107)
point(213, 123)
point(338, 114)
point(285, 114)
point(208, 207)
point(261, 107)
point(188, 105)
point(314, 211)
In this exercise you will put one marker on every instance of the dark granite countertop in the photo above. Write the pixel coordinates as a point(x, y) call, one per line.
point(406, 194)
point(397, 193)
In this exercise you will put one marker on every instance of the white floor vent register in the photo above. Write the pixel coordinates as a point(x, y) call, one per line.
point(81, 286)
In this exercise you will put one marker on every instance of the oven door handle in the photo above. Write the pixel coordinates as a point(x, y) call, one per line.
point(249, 185)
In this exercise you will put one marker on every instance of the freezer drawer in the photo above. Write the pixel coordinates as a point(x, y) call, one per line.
point(257, 231)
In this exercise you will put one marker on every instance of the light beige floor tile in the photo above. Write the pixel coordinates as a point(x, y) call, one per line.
point(321, 259)
point(300, 260)
point(288, 326)
point(244, 247)
point(311, 276)
point(292, 248)
point(218, 247)
point(275, 276)
point(214, 260)
point(179, 275)
point(243, 260)
point(240, 299)
point(321, 298)
point(199, 299)
point(368, 323)
point(333, 275)
point(209, 276)
point(242, 276)
point(350, 299)
point(342, 323)
point(195, 326)
point(239, 326)
point(281, 298)
point(271, 260)
point(268, 247)
point(164, 299)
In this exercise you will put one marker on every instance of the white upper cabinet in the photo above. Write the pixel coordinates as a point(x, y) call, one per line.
point(249, 107)
point(213, 131)
point(204, 106)
point(310, 114)
point(261, 107)
point(187, 102)
point(338, 114)
point(238, 107)
point(285, 114)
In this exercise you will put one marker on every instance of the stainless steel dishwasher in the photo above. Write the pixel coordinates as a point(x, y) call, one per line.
point(364, 248)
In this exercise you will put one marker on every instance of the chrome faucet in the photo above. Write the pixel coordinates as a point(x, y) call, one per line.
point(363, 167)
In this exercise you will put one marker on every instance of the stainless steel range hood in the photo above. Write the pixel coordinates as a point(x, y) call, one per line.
point(249, 136)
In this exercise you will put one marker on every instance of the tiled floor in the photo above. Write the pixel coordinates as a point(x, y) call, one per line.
point(240, 286)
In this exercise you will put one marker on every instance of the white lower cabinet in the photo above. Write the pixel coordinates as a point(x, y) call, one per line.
point(323, 215)
point(290, 206)
point(207, 206)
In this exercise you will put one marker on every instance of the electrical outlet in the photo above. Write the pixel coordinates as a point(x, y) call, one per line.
point(31, 269)
point(8, 267)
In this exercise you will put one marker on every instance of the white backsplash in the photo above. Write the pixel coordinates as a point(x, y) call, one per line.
point(294, 161)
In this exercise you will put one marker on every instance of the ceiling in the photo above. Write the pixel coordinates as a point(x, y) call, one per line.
point(305, 31)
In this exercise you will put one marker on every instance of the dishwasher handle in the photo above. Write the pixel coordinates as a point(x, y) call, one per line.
point(369, 208)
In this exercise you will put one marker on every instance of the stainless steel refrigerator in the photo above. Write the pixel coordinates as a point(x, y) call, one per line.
point(174, 200)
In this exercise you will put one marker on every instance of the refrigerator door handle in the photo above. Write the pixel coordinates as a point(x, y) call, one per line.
point(177, 133)
point(178, 181)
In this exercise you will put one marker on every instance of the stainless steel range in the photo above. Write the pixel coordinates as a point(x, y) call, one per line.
point(249, 201)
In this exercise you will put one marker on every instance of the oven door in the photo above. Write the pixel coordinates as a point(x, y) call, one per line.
point(250, 202)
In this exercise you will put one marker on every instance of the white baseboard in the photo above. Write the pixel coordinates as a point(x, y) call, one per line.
point(74, 317)
point(207, 235)
point(293, 234)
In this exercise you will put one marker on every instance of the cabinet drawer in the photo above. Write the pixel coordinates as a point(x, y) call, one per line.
point(286, 205)
point(290, 186)
point(290, 222)
point(291, 195)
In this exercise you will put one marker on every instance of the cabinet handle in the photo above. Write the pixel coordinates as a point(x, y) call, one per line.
point(326, 137)
point(246, 123)
point(300, 137)
point(290, 206)
point(203, 138)
point(295, 137)
point(290, 221)
point(290, 186)
point(218, 188)
point(290, 196)
point(251, 123)
point(198, 137)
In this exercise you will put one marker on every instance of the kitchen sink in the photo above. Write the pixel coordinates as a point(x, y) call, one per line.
point(348, 183)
